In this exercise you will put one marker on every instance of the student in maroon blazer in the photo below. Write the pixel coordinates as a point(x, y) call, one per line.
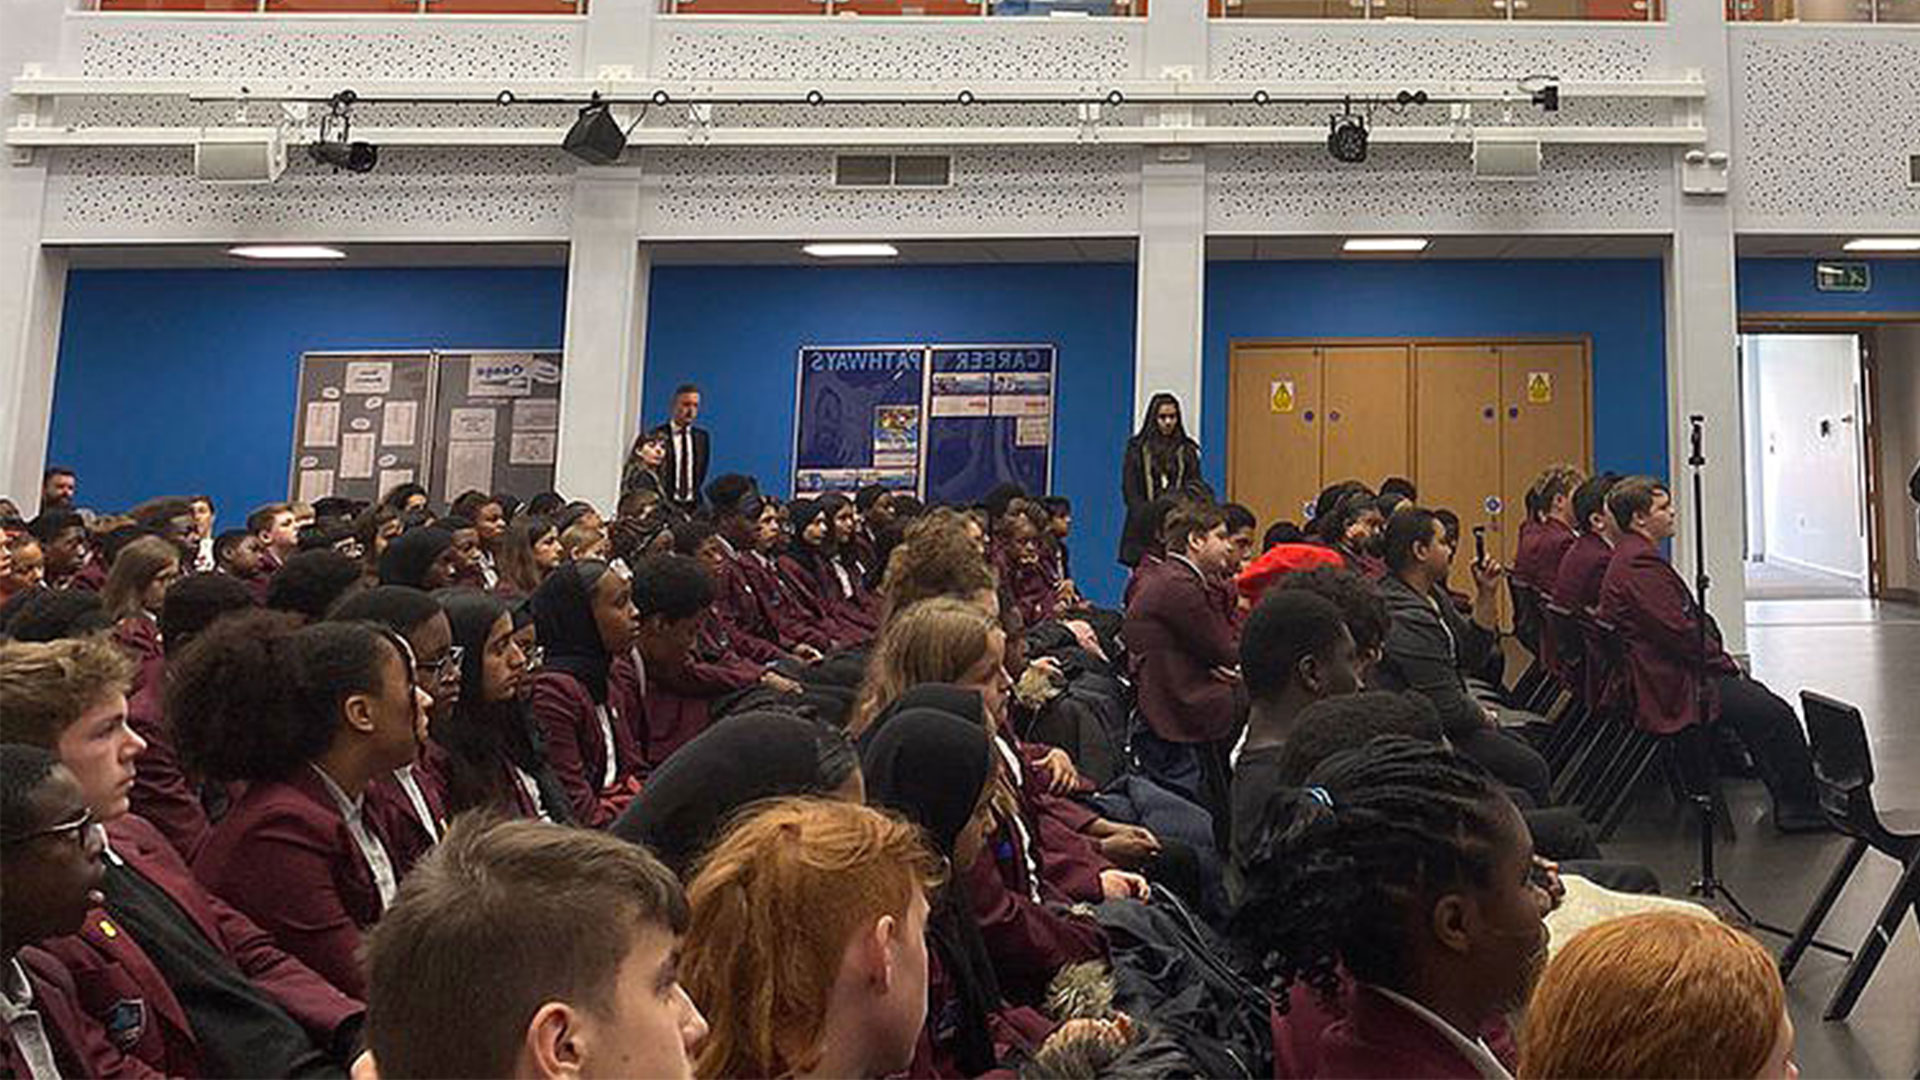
point(812, 564)
point(1576, 584)
point(1406, 868)
point(1186, 659)
point(176, 976)
point(756, 561)
point(698, 539)
point(132, 594)
point(50, 850)
point(1645, 598)
point(584, 616)
point(308, 717)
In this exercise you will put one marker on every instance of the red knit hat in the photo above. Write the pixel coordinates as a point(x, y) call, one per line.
point(1283, 559)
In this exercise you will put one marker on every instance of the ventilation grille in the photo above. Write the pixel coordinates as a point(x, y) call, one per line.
point(1913, 170)
point(892, 170)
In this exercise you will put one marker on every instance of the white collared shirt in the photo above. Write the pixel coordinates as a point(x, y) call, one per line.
point(416, 798)
point(352, 811)
point(531, 789)
point(1473, 1049)
point(612, 771)
point(24, 1026)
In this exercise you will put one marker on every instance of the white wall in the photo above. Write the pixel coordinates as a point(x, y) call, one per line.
point(1810, 451)
point(1753, 447)
point(1899, 409)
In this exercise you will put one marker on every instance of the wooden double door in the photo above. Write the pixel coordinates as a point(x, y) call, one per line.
point(1472, 423)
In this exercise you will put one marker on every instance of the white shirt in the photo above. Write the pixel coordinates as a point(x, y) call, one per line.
point(612, 771)
point(1474, 1050)
point(683, 462)
point(531, 789)
point(374, 852)
point(24, 1026)
point(417, 799)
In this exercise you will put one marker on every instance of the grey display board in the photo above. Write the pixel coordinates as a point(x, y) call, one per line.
point(496, 422)
point(362, 424)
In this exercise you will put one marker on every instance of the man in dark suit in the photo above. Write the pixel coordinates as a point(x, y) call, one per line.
point(1186, 659)
point(1656, 613)
point(689, 450)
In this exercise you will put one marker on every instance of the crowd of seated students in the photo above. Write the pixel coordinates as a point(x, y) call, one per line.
point(836, 786)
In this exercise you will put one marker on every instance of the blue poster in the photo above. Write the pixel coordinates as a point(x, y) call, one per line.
point(859, 418)
point(989, 420)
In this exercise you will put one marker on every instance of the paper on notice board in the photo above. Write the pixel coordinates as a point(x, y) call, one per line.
point(532, 448)
point(398, 420)
point(356, 456)
point(315, 484)
point(370, 377)
point(393, 478)
point(536, 414)
point(1032, 431)
point(470, 466)
point(500, 375)
point(323, 423)
point(472, 424)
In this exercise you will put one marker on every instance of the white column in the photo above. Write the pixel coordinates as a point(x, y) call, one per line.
point(32, 279)
point(607, 275)
point(1176, 39)
point(1172, 284)
point(619, 36)
point(1702, 323)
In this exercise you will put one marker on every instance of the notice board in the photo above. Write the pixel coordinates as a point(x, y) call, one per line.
point(948, 423)
point(361, 424)
point(496, 422)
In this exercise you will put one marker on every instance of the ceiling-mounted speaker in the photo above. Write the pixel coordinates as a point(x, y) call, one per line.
point(240, 156)
point(1506, 159)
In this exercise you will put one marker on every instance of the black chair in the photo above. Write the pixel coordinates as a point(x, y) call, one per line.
point(1843, 768)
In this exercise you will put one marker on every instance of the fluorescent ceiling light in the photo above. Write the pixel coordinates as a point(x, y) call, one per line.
point(851, 251)
point(286, 251)
point(1386, 243)
point(1885, 243)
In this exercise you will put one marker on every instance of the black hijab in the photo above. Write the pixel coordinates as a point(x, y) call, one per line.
point(1149, 432)
point(686, 803)
point(959, 701)
point(563, 621)
point(480, 733)
point(410, 555)
point(931, 765)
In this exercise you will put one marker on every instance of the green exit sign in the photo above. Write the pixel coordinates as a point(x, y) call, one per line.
point(1842, 277)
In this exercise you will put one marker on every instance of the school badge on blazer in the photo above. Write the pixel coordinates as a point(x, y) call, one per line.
point(125, 1022)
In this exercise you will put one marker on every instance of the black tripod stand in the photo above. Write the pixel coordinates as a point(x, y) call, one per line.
point(1695, 745)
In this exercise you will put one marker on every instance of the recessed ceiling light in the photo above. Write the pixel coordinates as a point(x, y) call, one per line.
point(851, 251)
point(286, 251)
point(1386, 243)
point(1884, 243)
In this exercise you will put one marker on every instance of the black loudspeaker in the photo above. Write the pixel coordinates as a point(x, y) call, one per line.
point(595, 138)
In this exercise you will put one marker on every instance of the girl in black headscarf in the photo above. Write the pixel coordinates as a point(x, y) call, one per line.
point(584, 617)
point(423, 558)
point(487, 752)
point(1161, 459)
point(690, 798)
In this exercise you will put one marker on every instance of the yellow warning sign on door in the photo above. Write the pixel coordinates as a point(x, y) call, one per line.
point(1282, 397)
point(1539, 387)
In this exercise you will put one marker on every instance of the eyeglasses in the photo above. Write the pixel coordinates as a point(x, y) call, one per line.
point(74, 830)
point(448, 669)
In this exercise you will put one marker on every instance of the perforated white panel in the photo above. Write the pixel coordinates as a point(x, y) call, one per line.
point(1301, 189)
point(1055, 191)
point(416, 194)
point(1826, 121)
point(439, 46)
point(943, 49)
point(1434, 51)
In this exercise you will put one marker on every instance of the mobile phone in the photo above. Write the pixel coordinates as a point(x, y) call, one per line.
point(1480, 545)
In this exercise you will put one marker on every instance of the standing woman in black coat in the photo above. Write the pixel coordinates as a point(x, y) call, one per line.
point(1161, 459)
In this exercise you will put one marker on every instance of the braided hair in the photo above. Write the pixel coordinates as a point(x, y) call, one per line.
point(1335, 869)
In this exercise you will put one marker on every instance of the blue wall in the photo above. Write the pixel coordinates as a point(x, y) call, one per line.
point(1620, 303)
point(1786, 285)
point(184, 381)
point(736, 330)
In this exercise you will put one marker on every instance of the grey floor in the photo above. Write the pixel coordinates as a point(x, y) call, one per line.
point(1779, 581)
point(1867, 654)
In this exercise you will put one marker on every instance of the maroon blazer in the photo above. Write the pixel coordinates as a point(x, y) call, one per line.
point(109, 968)
point(1367, 1034)
point(564, 709)
point(738, 613)
point(139, 637)
point(1149, 563)
point(1029, 943)
point(162, 793)
point(407, 838)
point(819, 605)
point(81, 1046)
point(1536, 560)
point(1576, 585)
point(1016, 1030)
point(283, 856)
point(1176, 635)
point(1653, 609)
point(784, 612)
point(1031, 585)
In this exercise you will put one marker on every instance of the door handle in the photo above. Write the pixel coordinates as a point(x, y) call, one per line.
point(1487, 413)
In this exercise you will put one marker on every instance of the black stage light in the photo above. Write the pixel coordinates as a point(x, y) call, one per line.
point(595, 137)
point(336, 146)
point(1347, 139)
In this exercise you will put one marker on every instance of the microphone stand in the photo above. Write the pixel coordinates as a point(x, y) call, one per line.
point(1708, 886)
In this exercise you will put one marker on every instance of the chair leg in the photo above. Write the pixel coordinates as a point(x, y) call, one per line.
point(1625, 762)
point(1606, 752)
point(1822, 905)
point(1615, 810)
point(1903, 900)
